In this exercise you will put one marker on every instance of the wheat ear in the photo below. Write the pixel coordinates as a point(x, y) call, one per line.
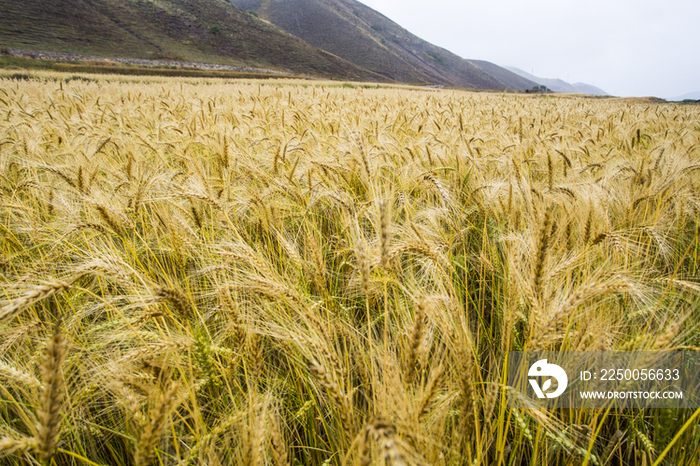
point(541, 256)
point(415, 340)
point(340, 399)
point(279, 448)
point(176, 298)
point(430, 393)
point(8, 445)
point(157, 422)
point(51, 398)
point(384, 232)
point(30, 297)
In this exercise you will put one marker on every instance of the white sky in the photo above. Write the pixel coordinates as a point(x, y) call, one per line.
point(625, 47)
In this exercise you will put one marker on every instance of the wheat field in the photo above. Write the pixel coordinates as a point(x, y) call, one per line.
point(281, 273)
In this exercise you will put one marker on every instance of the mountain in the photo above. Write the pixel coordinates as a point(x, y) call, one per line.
point(365, 37)
point(689, 96)
point(510, 79)
point(559, 85)
point(340, 39)
point(590, 89)
point(210, 31)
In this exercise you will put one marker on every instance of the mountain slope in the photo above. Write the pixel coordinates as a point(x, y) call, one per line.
point(361, 35)
point(198, 30)
point(510, 79)
point(559, 85)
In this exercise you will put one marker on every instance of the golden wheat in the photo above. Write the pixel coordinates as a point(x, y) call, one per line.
point(365, 257)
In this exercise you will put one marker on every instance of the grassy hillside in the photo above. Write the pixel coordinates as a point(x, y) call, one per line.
point(198, 30)
point(365, 37)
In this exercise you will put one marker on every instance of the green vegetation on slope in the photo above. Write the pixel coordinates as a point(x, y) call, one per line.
point(98, 67)
point(207, 31)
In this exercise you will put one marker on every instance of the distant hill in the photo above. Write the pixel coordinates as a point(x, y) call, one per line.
point(689, 96)
point(510, 79)
point(590, 89)
point(559, 85)
point(365, 37)
point(211, 31)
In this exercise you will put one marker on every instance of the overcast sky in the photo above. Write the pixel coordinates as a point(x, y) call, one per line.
point(625, 47)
